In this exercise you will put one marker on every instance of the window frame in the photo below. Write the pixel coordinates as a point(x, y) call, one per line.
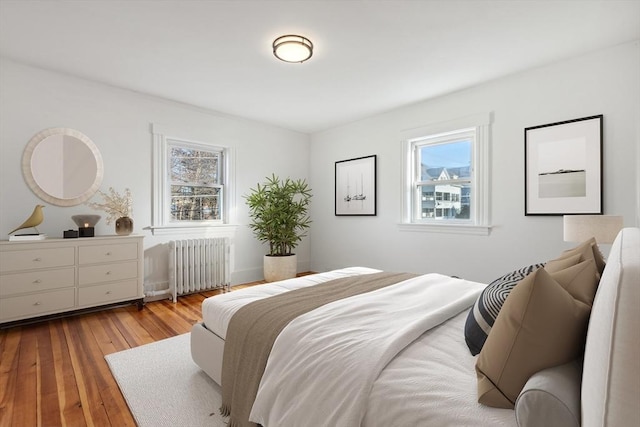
point(478, 222)
point(162, 223)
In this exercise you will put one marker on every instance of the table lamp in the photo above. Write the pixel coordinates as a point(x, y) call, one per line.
point(605, 228)
point(86, 224)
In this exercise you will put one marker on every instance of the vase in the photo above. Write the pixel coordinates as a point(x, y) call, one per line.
point(124, 226)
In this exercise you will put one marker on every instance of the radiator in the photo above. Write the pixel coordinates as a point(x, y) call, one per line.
point(198, 264)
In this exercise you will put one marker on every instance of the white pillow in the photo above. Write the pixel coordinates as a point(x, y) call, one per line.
point(551, 398)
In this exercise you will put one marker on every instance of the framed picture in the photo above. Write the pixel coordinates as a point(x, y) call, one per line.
point(563, 167)
point(356, 186)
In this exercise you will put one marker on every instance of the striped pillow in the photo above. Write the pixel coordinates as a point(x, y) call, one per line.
point(484, 312)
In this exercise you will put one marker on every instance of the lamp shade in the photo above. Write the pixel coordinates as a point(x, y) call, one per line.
point(86, 220)
point(578, 228)
point(292, 48)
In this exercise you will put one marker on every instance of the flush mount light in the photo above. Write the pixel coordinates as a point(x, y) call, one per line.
point(292, 48)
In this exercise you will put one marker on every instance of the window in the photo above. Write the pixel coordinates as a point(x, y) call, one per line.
point(195, 178)
point(443, 165)
point(191, 186)
point(448, 161)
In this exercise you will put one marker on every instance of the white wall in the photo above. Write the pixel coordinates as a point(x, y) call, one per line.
point(118, 122)
point(604, 82)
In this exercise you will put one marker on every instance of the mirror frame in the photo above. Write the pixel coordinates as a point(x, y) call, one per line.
point(33, 185)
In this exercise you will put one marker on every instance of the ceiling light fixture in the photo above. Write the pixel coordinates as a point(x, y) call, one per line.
point(292, 48)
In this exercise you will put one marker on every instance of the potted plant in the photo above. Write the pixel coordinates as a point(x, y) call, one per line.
point(278, 211)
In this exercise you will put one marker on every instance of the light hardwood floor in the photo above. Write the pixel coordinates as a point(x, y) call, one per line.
point(53, 373)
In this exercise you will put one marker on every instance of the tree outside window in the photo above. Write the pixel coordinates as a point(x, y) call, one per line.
point(196, 189)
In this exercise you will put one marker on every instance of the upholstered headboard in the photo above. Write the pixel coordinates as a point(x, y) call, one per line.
point(611, 372)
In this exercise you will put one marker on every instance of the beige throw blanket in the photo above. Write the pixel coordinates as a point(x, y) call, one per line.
point(254, 328)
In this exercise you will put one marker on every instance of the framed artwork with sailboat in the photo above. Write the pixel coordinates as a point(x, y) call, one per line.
point(356, 186)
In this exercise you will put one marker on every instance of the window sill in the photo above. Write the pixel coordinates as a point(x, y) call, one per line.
point(476, 230)
point(204, 230)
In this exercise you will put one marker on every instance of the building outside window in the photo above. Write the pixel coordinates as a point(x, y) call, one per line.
point(444, 168)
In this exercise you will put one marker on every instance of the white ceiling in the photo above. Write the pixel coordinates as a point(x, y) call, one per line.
point(370, 56)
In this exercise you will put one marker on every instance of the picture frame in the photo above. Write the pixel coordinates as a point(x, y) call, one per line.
point(563, 167)
point(355, 186)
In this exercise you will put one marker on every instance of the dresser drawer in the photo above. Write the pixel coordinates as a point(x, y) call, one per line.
point(107, 253)
point(36, 281)
point(104, 294)
point(36, 304)
point(107, 273)
point(36, 258)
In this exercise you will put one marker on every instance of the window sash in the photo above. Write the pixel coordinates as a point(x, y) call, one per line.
point(192, 212)
point(468, 134)
point(201, 160)
point(195, 206)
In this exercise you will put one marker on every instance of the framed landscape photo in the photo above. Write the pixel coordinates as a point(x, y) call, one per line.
point(356, 186)
point(563, 167)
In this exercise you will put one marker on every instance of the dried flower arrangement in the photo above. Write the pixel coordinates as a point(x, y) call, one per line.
point(115, 205)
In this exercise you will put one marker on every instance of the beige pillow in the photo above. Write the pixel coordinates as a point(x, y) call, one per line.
point(580, 280)
point(562, 263)
point(587, 250)
point(540, 325)
point(584, 287)
point(599, 258)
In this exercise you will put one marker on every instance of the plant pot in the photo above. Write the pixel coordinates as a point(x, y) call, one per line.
point(280, 267)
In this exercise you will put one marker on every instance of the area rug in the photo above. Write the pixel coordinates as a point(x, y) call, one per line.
point(164, 387)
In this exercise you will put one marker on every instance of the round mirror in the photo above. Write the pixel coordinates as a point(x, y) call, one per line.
point(62, 166)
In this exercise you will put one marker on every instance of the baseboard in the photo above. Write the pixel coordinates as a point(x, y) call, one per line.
point(246, 276)
point(240, 277)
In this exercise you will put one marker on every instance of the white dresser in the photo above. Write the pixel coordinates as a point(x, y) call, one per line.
point(39, 278)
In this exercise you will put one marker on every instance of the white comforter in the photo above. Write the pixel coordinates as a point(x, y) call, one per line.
point(432, 383)
point(323, 365)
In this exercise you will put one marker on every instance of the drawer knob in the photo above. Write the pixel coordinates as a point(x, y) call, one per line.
point(108, 253)
point(37, 259)
point(38, 303)
point(107, 273)
point(108, 292)
point(37, 281)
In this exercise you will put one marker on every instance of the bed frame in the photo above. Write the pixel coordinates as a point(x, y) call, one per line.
point(207, 350)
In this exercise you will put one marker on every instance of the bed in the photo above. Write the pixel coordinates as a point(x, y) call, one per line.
point(430, 376)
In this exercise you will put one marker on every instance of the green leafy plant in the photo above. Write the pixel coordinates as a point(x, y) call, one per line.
point(278, 211)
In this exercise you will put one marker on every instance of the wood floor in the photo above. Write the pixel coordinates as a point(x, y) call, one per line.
point(54, 373)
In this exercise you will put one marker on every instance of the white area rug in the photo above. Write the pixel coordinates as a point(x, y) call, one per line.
point(164, 387)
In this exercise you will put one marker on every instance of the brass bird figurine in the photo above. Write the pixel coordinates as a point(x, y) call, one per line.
point(33, 221)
